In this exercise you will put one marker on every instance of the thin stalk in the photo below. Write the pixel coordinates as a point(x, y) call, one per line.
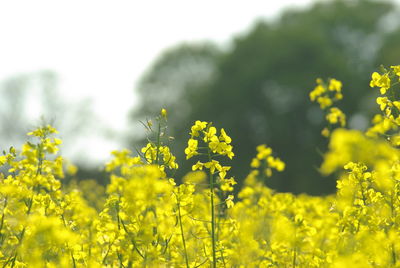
point(121, 265)
point(13, 260)
point(214, 264)
point(73, 260)
point(23, 231)
point(295, 248)
point(183, 236)
point(108, 251)
point(294, 257)
point(158, 142)
point(132, 241)
point(2, 222)
point(394, 259)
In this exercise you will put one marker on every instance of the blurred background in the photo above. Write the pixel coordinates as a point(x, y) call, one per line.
point(95, 69)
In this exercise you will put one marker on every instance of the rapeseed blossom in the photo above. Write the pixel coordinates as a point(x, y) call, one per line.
point(326, 95)
point(382, 81)
point(146, 217)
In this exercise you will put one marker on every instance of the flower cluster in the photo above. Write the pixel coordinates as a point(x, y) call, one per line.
point(206, 133)
point(143, 218)
point(213, 145)
point(326, 95)
point(266, 161)
point(387, 123)
point(155, 152)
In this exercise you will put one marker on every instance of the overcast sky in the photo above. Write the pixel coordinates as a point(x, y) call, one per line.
point(99, 49)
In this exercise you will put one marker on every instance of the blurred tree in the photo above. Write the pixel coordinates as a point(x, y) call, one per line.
point(29, 100)
point(173, 78)
point(12, 109)
point(258, 89)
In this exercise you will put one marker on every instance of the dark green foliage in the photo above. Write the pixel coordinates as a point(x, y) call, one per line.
point(258, 89)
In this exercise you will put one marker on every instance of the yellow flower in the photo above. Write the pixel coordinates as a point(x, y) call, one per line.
point(276, 163)
point(224, 137)
point(324, 102)
point(382, 81)
point(397, 104)
point(208, 135)
point(223, 170)
point(164, 113)
point(255, 163)
point(226, 184)
point(396, 69)
point(198, 166)
point(3, 160)
point(318, 91)
point(43, 131)
point(383, 102)
point(268, 172)
point(325, 132)
point(197, 127)
point(338, 96)
point(336, 116)
point(213, 165)
point(335, 85)
point(263, 151)
point(229, 201)
point(191, 149)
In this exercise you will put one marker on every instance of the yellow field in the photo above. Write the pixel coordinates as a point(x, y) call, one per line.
point(144, 219)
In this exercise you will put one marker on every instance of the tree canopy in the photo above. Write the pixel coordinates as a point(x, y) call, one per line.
point(258, 88)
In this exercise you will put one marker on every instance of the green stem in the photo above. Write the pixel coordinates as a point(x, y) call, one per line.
point(108, 251)
point(183, 236)
point(73, 260)
point(132, 240)
point(21, 237)
point(158, 142)
point(2, 221)
point(295, 248)
point(13, 260)
point(294, 257)
point(214, 264)
point(394, 259)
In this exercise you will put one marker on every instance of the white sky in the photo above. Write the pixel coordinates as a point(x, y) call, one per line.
point(99, 49)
